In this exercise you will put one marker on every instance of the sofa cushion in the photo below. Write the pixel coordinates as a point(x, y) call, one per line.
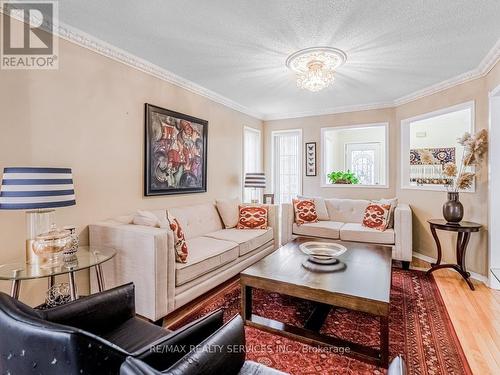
point(377, 216)
point(320, 206)
point(252, 217)
point(197, 220)
point(205, 254)
point(248, 239)
point(358, 233)
point(228, 211)
point(305, 211)
point(346, 210)
point(180, 246)
point(324, 229)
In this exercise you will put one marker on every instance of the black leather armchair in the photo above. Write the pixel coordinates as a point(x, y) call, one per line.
point(221, 352)
point(92, 335)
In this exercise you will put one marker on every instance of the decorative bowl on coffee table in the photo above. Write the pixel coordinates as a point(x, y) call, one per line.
point(322, 252)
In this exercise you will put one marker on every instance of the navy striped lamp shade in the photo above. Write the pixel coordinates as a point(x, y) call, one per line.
point(255, 180)
point(36, 188)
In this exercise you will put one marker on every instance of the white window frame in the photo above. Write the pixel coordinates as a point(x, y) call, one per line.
point(325, 184)
point(405, 145)
point(259, 161)
point(273, 159)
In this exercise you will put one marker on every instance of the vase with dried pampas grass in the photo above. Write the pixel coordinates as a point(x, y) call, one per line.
point(462, 177)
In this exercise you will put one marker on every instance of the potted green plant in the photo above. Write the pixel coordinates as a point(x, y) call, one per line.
point(342, 177)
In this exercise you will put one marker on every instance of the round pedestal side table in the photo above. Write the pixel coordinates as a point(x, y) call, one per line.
point(85, 258)
point(464, 229)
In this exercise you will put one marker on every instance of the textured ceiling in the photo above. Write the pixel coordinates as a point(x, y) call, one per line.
point(238, 48)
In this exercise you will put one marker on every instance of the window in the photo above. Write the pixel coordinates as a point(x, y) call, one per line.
point(287, 162)
point(431, 140)
point(359, 150)
point(251, 157)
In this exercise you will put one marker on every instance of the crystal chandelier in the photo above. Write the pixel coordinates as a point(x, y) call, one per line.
point(315, 67)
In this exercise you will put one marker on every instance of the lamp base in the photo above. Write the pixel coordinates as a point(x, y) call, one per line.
point(37, 222)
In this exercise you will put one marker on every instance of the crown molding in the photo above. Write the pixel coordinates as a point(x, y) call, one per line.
point(101, 47)
point(329, 111)
point(85, 40)
point(484, 67)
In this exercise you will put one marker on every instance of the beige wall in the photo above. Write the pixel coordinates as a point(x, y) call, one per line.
point(89, 115)
point(425, 204)
point(311, 132)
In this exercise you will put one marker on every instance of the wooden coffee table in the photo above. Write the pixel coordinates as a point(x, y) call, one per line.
point(363, 285)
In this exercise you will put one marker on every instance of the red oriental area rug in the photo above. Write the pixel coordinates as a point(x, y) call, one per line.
point(420, 330)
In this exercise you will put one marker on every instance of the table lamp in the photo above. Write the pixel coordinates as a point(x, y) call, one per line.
point(255, 181)
point(38, 190)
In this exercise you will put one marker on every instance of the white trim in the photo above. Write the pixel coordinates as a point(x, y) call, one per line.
point(323, 184)
point(404, 157)
point(300, 155)
point(79, 37)
point(484, 67)
point(328, 111)
point(493, 259)
point(473, 275)
point(259, 133)
point(85, 40)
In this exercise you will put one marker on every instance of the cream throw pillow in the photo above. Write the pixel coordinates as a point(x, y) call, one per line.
point(145, 218)
point(228, 211)
point(320, 204)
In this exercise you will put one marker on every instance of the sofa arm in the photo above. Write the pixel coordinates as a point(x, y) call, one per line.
point(166, 351)
point(223, 352)
point(404, 232)
point(274, 222)
point(95, 313)
point(146, 257)
point(133, 366)
point(287, 218)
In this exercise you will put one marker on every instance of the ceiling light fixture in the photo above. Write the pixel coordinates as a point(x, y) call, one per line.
point(315, 67)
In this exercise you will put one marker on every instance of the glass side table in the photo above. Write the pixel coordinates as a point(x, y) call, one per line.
point(86, 257)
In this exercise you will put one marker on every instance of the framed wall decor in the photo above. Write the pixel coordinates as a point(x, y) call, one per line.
point(175, 152)
point(310, 159)
point(268, 199)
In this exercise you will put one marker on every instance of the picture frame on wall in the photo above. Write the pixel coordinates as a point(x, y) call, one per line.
point(311, 168)
point(175, 160)
point(268, 198)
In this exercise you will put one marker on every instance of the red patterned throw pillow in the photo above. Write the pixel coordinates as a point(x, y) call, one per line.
point(377, 216)
point(305, 211)
point(181, 249)
point(252, 217)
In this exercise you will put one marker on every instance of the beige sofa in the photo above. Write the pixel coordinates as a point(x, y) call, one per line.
point(146, 256)
point(344, 223)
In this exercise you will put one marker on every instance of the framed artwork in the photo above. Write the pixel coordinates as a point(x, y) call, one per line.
point(268, 198)
point(311, 159)
point(175, 153)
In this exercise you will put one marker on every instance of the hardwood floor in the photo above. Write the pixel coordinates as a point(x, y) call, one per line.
point(475, 316)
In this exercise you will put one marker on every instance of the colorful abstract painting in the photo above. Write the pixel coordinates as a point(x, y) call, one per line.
point(176, 152)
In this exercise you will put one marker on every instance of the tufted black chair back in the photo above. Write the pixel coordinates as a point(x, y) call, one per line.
point(29, 344)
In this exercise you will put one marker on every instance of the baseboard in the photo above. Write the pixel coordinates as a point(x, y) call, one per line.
point(473, 275)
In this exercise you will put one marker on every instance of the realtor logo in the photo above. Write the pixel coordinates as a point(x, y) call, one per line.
point(27, 35)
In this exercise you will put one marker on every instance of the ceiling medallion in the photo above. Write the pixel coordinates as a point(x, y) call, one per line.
point(315, 67)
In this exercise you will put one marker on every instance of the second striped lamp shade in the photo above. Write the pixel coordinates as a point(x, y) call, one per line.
point(31, 188)
point(255, 180)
